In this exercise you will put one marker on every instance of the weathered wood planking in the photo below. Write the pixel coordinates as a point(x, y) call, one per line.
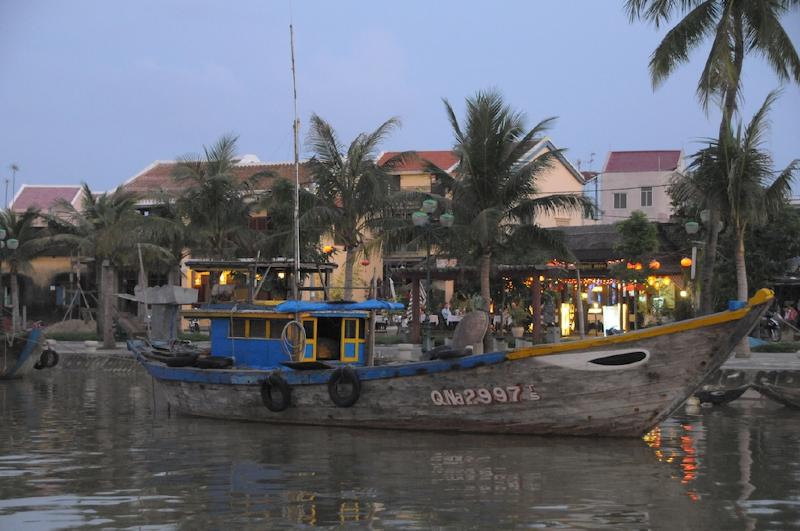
point(557, 393)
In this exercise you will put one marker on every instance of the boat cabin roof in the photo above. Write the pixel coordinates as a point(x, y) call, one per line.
point(249, 264)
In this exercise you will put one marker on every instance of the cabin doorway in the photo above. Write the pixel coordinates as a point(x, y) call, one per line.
point(329, 339)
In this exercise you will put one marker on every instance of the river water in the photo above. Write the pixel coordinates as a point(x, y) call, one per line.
point(93, 450)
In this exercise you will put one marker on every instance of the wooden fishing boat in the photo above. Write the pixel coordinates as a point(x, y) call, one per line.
point(620, 385)
point(22, 352)
point(780, 386)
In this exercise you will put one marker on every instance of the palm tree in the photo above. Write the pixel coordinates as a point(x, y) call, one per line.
point(216, 206)
point(753, 191)
point(109, 229)
point(494, 190)
point(278, 239)
point(21, 229)
point(736, 28)
point(351, 188)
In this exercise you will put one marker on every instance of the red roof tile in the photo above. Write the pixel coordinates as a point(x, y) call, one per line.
point(441, 159)
point(43, 197)
point(638, 161)
point(159, 176)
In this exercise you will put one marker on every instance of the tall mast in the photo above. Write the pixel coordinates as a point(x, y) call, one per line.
point(296, 127)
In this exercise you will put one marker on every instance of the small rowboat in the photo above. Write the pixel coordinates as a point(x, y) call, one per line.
point(722, 387)
point(20, 354)
point(780, 386)
point(621, 385)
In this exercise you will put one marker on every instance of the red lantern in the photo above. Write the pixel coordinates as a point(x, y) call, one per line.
point(327, 249)
point(686, 262)
point(630, 265)
point(655, 264)
point(365, 262)
point(638, 266)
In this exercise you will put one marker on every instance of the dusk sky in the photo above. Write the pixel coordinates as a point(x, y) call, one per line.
point(95, 90)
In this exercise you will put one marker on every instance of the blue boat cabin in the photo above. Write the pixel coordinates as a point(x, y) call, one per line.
point(253, 339)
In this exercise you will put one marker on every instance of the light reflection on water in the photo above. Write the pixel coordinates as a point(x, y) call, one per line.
point(91, 451)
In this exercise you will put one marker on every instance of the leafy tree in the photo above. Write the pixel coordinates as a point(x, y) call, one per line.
point(278, 240)
point(736, 28)
point(494, 191)
point(638, 237)
point(109, 229)
point(767, 249)
point(351, 188)
point(22, 228)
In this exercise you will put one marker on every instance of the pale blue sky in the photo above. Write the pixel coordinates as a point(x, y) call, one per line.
point(95, 90)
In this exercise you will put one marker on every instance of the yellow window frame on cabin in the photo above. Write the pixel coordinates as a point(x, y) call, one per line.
point(311, 342)
point(355, 341)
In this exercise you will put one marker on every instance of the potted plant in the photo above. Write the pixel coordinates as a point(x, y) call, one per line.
point(520, 318)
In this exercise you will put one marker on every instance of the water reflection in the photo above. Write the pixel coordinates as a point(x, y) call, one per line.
point(97, 451)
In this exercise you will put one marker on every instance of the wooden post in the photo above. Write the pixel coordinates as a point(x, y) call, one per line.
point(536, 302)
point(371, 338)
point(579, 303)
point(414, 325)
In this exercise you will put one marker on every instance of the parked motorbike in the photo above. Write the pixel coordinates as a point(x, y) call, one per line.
point(769, 329)
point(194, 325)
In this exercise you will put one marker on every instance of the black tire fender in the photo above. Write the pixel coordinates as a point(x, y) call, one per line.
point(275, 382)
point(48, 359)
point(344, 375)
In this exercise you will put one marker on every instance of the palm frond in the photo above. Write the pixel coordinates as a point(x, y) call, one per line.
point(687, 35)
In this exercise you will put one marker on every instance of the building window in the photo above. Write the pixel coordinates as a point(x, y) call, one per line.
point(647, 196)
point(620, 200)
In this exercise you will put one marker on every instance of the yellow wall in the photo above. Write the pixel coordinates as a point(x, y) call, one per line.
point(558, 179)
point(420, 182)
point(43, 269)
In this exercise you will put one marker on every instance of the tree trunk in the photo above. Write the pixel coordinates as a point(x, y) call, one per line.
point(108, 288)
point(349, 260)
point(741, 285)
point(728, 109)
point(486, 269)
point(536, 300)
point(15, 320)
point(709, 263)
point(486, 294)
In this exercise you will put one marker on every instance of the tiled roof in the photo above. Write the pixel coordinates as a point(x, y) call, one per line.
point(639, 161)
point(443, 159)
point(589, 175)
point(43, 197)
point(158, 176)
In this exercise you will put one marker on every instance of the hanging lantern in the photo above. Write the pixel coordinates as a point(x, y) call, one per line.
point(666, 280)
point(631, 265)
point(638, 266)
point(365, 262)
point(327, 249)
point(447, 220)
point(651, 280)
point(686, 262)
point(655, 264)
point(429, 206)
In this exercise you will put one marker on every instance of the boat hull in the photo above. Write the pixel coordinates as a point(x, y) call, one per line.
point(781, 386)
point(642, 378)
point(19, 358)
